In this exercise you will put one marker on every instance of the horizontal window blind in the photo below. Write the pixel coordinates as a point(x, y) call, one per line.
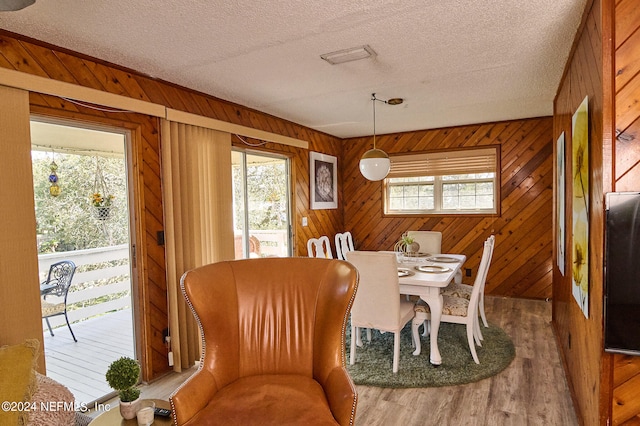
point(444, 163)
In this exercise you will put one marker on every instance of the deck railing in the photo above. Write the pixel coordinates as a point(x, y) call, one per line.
point(272, 242)
point(101, 283)
point(102, 280)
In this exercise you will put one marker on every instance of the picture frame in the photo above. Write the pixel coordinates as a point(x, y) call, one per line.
point(580, 206)
point(323, 178)
point(561, 204)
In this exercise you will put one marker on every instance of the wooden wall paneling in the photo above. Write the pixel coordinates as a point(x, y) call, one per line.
point(4, 62)
point(627, 61)
point(626, 367)
point(627, 16)
point(81, 72)
point(463, 235)
point(625, 404)
point(19, 58)
point(608, 174)
point(513, 266)
point(627, 106)
point(526, 173)
point(47, 60)
point(627, 154)
point(482, 133)
point(512, 157)
point(511, 148)
point(580, 338)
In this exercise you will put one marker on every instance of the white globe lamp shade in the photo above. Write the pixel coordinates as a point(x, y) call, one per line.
point(375, 164)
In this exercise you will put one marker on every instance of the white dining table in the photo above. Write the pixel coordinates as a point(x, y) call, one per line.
point(427, 286)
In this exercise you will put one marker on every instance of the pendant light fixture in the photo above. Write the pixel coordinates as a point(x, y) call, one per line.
point(375, 163)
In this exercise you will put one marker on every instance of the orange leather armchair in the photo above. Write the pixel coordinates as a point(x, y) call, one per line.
point(273, 343)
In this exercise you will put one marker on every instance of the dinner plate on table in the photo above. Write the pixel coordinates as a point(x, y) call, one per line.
point(443, 259)
point(418, 254)
point(432, 269)
point(404, 272)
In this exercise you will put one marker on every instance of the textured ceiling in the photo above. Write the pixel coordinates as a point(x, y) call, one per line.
point(453, 61)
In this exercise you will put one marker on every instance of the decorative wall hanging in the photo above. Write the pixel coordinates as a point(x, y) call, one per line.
point(580, 232)
point(102, 199)
point(323, 170)
point(561, 204)
point(54, 189)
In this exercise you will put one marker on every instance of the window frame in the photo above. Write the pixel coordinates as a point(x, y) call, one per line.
point(438, 183)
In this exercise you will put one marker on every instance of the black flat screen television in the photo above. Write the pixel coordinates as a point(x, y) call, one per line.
point(622, 273)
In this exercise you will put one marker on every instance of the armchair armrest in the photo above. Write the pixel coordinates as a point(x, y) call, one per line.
point(192, 396)
point(342, 395)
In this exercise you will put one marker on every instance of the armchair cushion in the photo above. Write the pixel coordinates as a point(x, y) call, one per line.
point(17, 379)
point(274, 400)
point(51, 308)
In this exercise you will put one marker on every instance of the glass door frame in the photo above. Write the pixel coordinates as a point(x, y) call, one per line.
point(128, 131)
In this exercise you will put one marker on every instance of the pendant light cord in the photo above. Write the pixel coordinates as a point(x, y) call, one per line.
point(373, 98)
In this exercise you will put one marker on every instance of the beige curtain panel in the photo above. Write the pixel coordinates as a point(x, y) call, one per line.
point(197, 191)
point(20, 313)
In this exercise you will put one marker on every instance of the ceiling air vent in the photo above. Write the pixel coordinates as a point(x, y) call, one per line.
point(348, 55)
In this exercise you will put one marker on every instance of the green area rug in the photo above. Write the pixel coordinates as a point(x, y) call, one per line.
point(374, 359)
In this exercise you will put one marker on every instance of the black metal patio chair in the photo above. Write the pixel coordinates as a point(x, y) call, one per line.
point(57, 284)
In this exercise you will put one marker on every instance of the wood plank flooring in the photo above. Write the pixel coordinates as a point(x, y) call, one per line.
point(81, 365)
point(531, 391)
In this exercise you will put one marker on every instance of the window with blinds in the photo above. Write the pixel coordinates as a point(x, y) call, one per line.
point(443, 182)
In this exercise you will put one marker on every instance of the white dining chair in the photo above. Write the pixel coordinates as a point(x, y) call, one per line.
point(319, 247)
point(458, 310)
point(465, 290)
point(429, 241)
point(344, 244)
point(378, 304)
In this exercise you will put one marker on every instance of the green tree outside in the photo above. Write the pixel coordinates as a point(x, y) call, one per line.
point(68, 222)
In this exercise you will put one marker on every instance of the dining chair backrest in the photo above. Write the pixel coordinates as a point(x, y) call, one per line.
point(319, 247)
point(344, 244)
point(429, 241)
point(489, 245)
point(377, 302)
point(481, 276)
point(60, 275)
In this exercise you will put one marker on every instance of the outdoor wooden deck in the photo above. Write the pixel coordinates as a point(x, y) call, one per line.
point(81, 366)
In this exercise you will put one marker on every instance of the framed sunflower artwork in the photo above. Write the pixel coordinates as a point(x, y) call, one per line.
point(580, 204)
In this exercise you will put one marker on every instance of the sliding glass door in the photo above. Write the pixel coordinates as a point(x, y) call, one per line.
point(261, 205)
point(82, 198)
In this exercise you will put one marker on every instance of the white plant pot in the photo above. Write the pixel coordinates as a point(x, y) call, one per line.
point(128, 410)
point(413, 247)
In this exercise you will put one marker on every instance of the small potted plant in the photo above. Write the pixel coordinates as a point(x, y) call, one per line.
point(407, 244)
point(102, 205)
point(123, 375)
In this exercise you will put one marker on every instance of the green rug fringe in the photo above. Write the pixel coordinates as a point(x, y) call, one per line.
point(374, 360)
